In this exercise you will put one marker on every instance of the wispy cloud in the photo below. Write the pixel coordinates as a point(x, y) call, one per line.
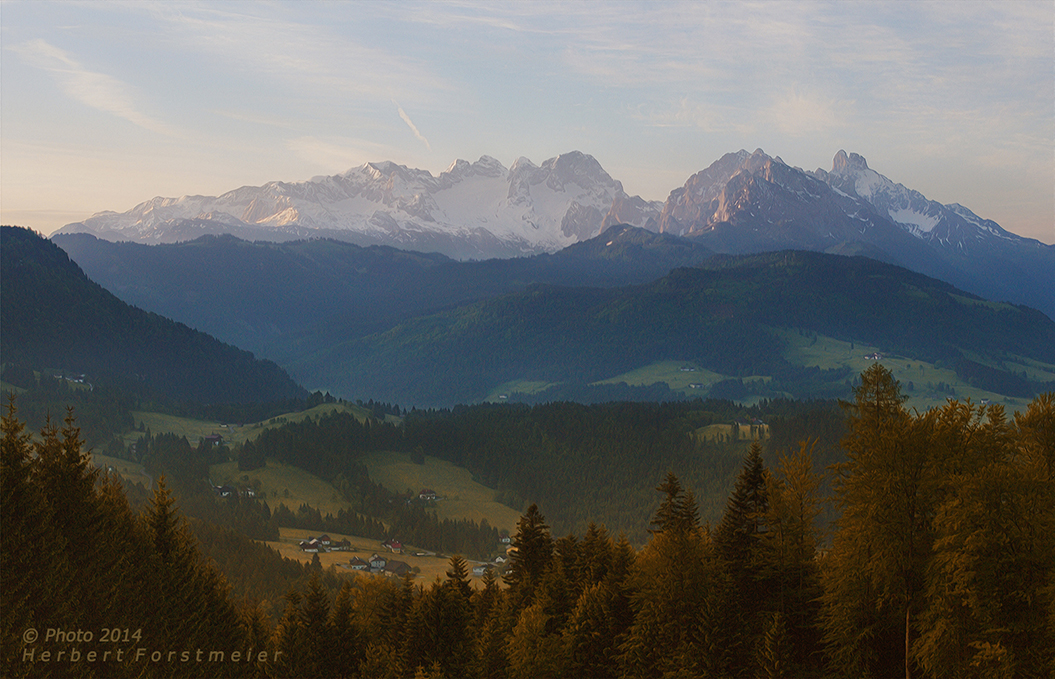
point(97, 90)
point(266, 41)
point(412, 126)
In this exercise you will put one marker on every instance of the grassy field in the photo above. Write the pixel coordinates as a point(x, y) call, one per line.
point(678, 375)
point(462, 498)
point(231, 432)
point(919, 379)
point(1035, 370)
point(131, 472)
point(283, 484)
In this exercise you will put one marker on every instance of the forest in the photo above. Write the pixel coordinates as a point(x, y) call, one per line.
point(940, 563)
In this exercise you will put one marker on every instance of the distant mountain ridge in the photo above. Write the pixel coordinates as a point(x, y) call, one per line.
point(470, 211)
point(742, 203)
point(263, 296)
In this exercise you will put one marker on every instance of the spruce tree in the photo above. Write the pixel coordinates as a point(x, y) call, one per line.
point(316, 640)
point(736, 535)
point(533, 548)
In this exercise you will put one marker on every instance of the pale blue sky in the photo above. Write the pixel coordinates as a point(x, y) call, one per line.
point(106, 104)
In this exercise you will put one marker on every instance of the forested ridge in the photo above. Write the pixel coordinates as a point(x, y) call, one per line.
point(720, 315)
point(55, 318)
point(351, 289)
point(941, 564)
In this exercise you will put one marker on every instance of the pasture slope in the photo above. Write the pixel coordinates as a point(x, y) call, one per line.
point(926, 384)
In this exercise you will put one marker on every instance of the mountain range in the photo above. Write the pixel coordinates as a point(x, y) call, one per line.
point(422, 329)
point(742, 203)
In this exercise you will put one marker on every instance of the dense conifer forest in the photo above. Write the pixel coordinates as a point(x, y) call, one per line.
point(941, 564)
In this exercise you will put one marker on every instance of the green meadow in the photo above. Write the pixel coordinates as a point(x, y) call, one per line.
point(460, 496)
point(283, 484)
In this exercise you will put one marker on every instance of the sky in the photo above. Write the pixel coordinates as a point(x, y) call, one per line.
point(104, 105)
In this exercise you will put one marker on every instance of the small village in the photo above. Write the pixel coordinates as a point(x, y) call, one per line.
point(383, 561)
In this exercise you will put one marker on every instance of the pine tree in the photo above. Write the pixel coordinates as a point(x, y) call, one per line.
point(533, 549)
point(534, 651)
point(737, 545)
point(491, 658)
point(773, 651)
point(588, 639)
point(678, 511)
point(458, 577)
point(316, 641)
point(736, 535)
point(680, 597)
point(594, 557)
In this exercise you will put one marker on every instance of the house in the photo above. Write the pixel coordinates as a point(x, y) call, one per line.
point(312, 545)
point(505, 540)
point(394, 546)
point(214, 439)
point(341, 545)
point(480, 569)
point(501, 558)
point(397, 568)
point(427, 495)
point(357, 564)
point(378, 563)
point(325, 540)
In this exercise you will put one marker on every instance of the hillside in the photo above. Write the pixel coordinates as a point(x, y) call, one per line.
point(720, 317)
point(55, 318)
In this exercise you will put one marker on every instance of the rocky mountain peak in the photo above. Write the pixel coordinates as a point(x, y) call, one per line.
point(843, 164)
point(485, 167)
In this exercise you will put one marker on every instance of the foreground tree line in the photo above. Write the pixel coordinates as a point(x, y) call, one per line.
point(942, 564)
